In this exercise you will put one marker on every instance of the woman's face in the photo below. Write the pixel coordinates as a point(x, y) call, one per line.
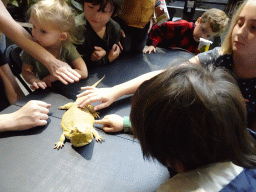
point(244, 32)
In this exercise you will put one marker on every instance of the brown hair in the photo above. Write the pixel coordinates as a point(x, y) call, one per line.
point(226, 47)
point(217, 19)
point(194, 115)
point(117, 4)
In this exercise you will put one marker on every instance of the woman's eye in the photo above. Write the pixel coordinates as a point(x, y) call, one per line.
point(239, 23)
point(42, 31)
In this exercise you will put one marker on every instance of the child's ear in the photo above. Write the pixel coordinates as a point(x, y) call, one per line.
point(63, 36)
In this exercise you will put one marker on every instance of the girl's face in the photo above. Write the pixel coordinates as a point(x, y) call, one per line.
point(97, 19)
point(43, 33)
point(244, 32)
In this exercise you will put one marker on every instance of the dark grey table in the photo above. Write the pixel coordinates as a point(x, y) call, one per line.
point(29, 162)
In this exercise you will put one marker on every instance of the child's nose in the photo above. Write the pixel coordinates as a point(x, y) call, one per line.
point(99, 16)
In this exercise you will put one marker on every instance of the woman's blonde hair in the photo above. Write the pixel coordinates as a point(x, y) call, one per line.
point(58, 14)
point(226, 47)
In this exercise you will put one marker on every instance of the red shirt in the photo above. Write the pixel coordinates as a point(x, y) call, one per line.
point(174, 34)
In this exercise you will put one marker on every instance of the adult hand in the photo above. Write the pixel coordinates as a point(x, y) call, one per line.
point(149, 49)
point(91, 94)
point(111, 123)
point(98, 53)
point(34, 113)
point(63, 72)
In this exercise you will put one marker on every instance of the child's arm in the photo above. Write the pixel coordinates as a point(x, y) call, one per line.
point(12, 89)
point(80, 67)
point(98, 53)
point(30, 77)
point(115, 123)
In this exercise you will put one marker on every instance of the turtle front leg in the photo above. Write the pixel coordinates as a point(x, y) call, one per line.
point(94, 114)
point(97, 136)
point(60, 144)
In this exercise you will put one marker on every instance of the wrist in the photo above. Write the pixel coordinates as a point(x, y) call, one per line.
point(127, 127)
point(8, 122)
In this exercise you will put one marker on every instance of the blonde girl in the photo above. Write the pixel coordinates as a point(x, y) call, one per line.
point(238, 54)
point(54, 28)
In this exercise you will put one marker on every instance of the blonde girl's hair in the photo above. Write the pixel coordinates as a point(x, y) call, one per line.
point(58, 14)
point(226, 47)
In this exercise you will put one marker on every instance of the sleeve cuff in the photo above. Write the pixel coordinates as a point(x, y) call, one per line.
point(158, 3)
point(127, 125)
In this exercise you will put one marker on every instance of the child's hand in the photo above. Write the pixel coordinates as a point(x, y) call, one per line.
point(149, 49)
point(111, 123)
point(159, 10)
point(36, 84)
point(114, 52)
point(98, 53)
point(49, 79)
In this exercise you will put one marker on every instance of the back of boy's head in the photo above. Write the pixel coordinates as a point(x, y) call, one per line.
point(192, 115)
point(117, 4)
point(58, 14)
point(217, 19)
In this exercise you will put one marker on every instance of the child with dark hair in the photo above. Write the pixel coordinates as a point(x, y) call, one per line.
point(102, 34)
point(193, 120)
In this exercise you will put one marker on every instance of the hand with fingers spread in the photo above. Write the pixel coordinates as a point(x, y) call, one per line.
point(111, 123)
point(63, 72)
point(34, 113)
point(149, 49)
point(98, 53)
point(91, 95)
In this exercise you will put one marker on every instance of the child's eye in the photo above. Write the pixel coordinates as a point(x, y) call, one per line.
point(43, 31)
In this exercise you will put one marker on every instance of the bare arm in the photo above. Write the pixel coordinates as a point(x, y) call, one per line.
point(34, 113)
point(80, 67)
point(12, 89)
point(195, 60)
point(21, 37)
point(108, 95)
